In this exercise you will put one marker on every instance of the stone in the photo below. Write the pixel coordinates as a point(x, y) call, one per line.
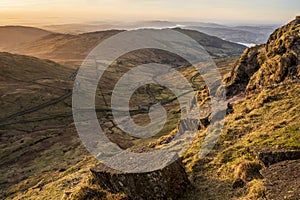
point(238, 183)
point(169, 182)
point(271, 156)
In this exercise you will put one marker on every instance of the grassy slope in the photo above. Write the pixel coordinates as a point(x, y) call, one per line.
point(257, 121)
point(38, 158)
point(39, 147)
point(266, 118)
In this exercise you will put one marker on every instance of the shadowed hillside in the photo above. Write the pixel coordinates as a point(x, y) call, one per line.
point(14, 36)
point(71, 50)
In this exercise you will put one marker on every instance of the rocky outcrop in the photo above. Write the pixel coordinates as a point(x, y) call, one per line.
point(169, 182)
point(245, 172)
point(268, 64)
point(271, 156)
point(244, 69)
point(280, 62)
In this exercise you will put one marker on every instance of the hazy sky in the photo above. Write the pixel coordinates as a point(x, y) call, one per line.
point(60, 11)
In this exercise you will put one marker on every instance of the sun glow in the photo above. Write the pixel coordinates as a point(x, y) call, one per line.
point(198, 10)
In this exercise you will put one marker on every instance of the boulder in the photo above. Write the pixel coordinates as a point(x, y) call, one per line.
point(271, 156)
point(169, 182)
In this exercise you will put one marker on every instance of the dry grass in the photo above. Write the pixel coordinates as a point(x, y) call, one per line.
point(247, 171)
point(266, 118)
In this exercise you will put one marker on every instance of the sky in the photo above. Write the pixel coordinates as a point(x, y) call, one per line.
point(226, 11)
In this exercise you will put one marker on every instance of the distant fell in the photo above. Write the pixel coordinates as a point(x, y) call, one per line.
point(13, 36)
point(71, 50)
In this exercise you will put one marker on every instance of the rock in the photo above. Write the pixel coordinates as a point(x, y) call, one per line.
point(247, 171)
point(238, 183)
point(229, 109)
point(267, 64)
point(169, 182)
point(204, 122)
point(271, 156)
point(280, 61)
point(188, 125)
point(61, 170)
point(242, 72)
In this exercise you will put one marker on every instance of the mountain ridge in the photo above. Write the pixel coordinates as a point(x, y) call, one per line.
point(12, 36)
point(71, 50)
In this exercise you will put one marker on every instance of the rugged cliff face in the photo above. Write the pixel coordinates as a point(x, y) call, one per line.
point(244, 68)
point(268, 64)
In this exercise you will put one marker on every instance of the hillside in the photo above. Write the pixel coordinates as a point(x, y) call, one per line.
point(263, 127)
point(71, 50)
point(270, 63)
point(33, 134)
point(257, 155)
point(215, 46)
point(41, 151)
point(13, 36)
point(40, 145)
point(64, 48)
point(239, 34)
point(39, 142)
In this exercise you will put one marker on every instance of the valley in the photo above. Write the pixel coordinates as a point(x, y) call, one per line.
point(42, 156)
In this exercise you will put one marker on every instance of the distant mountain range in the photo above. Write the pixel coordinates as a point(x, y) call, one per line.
point(71, 49)
point(247, 34)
